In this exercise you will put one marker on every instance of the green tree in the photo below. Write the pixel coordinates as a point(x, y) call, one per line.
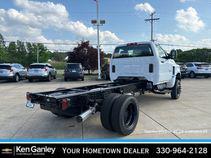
point(3, 54)
point(12, 52)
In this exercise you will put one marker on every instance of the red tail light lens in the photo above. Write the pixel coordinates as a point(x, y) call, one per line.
point(65, 104)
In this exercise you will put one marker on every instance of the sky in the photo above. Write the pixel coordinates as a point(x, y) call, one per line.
point(182, 22)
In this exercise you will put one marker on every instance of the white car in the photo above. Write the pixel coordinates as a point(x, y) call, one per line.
point(198, 69)
point(12, 72)
point(145, 61)
point(41, 71)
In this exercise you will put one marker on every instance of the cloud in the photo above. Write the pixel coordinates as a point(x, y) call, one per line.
point(189, 20)
point(32, 18)
point(182, 1)
point(171, 38)
point(146, 7)
point(176, 41)
point(204, 43)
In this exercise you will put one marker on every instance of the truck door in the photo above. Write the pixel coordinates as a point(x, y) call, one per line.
point(165, 66)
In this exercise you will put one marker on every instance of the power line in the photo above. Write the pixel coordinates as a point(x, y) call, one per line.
point(115, 44)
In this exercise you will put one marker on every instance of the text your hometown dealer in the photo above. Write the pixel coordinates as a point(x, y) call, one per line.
point(35, 149)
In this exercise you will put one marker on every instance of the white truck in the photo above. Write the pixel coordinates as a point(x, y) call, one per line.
point(146, 61)
point(135, 68)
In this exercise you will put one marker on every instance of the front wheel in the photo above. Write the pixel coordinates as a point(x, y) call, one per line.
point(176, 90)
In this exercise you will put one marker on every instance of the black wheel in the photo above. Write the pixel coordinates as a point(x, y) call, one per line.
point(65, 79)
point(176, 90)
point(16, 78)
point(124, 115)
point(49, 77)
point(30, 80)
point(192, 74)
point(82, 79)
point(105, 115)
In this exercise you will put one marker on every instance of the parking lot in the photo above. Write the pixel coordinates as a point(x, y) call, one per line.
point(160, 117)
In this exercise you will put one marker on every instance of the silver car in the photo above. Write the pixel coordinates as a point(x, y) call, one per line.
point(13, 72)
point(41, 71)
point(198, 69)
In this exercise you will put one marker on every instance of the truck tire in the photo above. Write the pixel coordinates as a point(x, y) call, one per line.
point(192, 74)
point(176, 90)
point(125, 114)
point(105, 115)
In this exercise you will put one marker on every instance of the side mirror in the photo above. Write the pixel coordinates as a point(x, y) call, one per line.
point(173, 54)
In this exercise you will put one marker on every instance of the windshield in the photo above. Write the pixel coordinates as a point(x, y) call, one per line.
point(36, 66)
point(140, 50)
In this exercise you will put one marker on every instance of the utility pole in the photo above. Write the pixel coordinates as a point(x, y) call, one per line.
point(151, 20)
point(98, 23)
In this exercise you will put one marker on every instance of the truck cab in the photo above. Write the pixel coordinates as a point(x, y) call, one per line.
point(145, 61)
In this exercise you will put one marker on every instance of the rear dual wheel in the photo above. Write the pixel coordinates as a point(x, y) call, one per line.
point(120, 113)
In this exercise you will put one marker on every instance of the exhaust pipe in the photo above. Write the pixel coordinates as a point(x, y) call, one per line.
point(85, 115)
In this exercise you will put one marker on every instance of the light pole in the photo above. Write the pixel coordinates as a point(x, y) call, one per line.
point(37, 54)
point(98, 23)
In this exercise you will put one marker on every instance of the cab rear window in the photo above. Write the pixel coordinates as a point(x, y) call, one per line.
point(136, 50)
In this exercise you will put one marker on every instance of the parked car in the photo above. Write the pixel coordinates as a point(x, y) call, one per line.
point(41, 71)
point(183, 69)
point(73, 71)
point(198, 69)
point(13, 72)
point(105, 72)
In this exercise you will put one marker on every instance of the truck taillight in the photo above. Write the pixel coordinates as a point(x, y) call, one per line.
point(65, 104)
point(28, 97)
point(113, 68)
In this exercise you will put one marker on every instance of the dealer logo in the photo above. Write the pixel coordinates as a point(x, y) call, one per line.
point(6, 151)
